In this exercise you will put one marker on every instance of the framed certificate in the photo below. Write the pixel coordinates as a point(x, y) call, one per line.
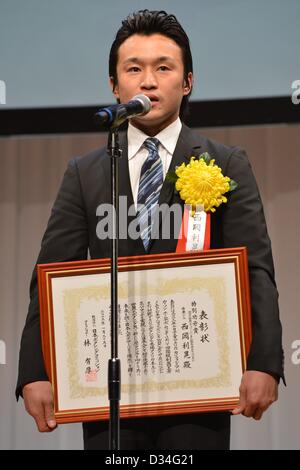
point(184, 333)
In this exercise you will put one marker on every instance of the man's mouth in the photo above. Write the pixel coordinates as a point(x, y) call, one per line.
point(153, 98)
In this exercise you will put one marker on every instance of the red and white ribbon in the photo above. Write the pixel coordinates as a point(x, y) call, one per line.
point(195, 231)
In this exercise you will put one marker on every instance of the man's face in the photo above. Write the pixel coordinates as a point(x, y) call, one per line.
point(153, 66)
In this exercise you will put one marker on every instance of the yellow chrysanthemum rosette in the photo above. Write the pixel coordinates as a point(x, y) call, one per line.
point(201, 182)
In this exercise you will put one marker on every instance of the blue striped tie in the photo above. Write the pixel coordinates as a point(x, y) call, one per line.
point(151, 181)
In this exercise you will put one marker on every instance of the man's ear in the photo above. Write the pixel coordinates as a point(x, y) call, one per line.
point(188, 84)
point(114, 87)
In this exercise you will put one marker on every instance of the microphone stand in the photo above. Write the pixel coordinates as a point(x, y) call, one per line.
point(114, 364)
point(114, 117)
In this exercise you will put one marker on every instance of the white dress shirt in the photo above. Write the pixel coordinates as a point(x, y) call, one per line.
point(137, 154)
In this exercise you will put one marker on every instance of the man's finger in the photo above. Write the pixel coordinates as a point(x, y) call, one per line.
point(238, 410)
point(49, 416)
point(39, 417)
point(258, 414)
point(242, 403)
point(250, 410)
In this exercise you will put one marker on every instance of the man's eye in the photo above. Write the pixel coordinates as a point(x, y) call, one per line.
point(163, 68)
point(133, 69)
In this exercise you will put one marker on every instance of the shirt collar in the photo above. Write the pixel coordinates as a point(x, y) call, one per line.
point(168, 138)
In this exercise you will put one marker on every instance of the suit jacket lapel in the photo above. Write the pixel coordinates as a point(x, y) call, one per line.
point(124, 177)
point(127, 245)
point(187, 146)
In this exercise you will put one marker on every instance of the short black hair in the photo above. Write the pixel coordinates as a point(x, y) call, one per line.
point(146, 22)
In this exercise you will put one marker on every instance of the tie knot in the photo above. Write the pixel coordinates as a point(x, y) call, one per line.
point(152, 144)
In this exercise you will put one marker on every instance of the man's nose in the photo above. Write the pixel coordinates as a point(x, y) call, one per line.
point(148, 80)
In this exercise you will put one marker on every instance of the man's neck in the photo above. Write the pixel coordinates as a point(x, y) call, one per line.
point(168, 137)
point(151, 130)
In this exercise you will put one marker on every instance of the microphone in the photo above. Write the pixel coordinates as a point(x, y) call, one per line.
point(113, 116)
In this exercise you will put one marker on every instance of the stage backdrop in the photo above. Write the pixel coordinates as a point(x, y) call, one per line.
point(55, 53)
point(31, 170)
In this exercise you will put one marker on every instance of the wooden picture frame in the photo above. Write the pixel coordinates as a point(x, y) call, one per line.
point(184, 333)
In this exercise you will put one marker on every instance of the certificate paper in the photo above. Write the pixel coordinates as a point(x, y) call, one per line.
point(184, 332)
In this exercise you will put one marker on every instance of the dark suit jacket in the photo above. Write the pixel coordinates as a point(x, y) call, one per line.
point(71, 232)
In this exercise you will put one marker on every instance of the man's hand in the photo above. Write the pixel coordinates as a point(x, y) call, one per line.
point(258, 391)
point(38, 399)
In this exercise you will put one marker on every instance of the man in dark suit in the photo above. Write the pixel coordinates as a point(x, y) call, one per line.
point(151, 55)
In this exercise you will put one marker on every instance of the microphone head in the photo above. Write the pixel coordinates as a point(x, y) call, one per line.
point(145, 101)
